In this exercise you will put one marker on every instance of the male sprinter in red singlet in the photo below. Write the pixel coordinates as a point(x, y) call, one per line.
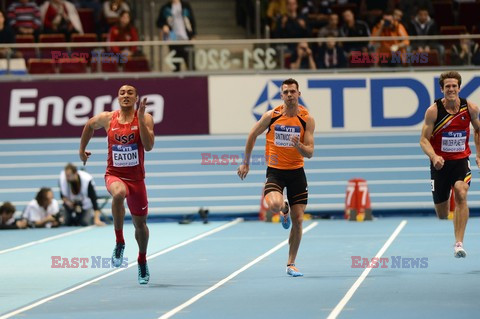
point(289, 139)
point(130, 132)
point(444, 140)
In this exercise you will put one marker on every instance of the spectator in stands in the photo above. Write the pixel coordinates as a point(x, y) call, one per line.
point(6, 35)
point(330, 54)
point(372, 10)
point(77, 190)
point(7, 221)
point(112, 10)
point(292, 25)
point(96, 7)
point(24, 17)
point(354, 28)
point(465, 52)
point(60, 16)
point(316, 13)
point(410, 9)
point(422, 24)
point(389, 27)
point(275, 9)
point(302, 58)
point(43, 211)
point(124, 30)
point(331, 28)
point(177, 22)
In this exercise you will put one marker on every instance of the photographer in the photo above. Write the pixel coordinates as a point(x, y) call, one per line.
point(7, 221)
point(42, 211)
point(465, 52)
point(303, 58)
point(77, 190)
point(390, 27)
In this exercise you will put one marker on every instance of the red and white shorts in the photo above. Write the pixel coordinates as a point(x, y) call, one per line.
point(136, 194)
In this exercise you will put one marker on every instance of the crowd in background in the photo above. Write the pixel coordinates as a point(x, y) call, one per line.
point(328, 19)
point(324, 20)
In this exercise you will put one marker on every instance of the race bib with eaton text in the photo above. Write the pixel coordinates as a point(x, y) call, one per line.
point(284, 133)
point(454, 141)
point(125, 155)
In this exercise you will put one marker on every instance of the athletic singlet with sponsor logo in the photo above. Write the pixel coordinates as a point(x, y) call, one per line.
point(125, 149)
point(451, 132)
point(279, 151)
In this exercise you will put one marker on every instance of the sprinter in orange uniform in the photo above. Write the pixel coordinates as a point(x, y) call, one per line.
point(289, 139)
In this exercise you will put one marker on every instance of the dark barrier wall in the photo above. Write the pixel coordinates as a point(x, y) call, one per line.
point(61, 108)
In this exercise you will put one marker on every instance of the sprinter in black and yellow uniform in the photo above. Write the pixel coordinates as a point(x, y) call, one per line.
point(445, 140)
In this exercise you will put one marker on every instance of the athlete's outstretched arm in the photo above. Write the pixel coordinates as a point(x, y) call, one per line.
point(256, 130)
point(308, 146)
point(474, 113)
point(94, 123)
point(145, 121)
point(427, 130)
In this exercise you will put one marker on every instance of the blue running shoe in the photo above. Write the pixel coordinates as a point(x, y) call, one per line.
point(285, 216)
point(293, 271)
point(143, 274)
point(117, 256)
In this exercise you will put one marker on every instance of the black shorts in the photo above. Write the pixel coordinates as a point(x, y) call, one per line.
point(295, 181)
point(444, 179)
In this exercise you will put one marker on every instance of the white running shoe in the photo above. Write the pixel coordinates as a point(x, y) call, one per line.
point(459, 251)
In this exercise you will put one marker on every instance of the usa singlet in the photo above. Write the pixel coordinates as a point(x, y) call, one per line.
point(451, 132)
point(125, 149)
point(279, 150)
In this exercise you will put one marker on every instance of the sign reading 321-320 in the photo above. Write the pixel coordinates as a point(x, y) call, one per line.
point(224, 59)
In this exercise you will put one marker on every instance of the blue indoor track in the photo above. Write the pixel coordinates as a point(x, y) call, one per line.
point(235, 268)
point(392, 163)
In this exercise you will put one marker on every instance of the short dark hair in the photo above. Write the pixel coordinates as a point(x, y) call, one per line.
point(450, 75)
point(8, 208)
point(423, 8)
point(71, 167)
point(290, 81)
point(42, 195)
point(136, 91)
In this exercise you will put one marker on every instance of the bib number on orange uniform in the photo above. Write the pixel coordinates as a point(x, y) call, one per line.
point(284, 133)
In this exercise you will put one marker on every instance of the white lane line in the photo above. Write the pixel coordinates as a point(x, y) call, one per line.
point(236, 185)
point(232, 172)
point(208, 149)
point(336, 311)
point(177, 199)
point(209, 137)
point(44, 240)
point(63, 293)
point(199, 161)
point(229, 277)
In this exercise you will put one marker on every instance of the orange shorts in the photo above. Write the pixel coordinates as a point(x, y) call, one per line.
point(136, 194)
